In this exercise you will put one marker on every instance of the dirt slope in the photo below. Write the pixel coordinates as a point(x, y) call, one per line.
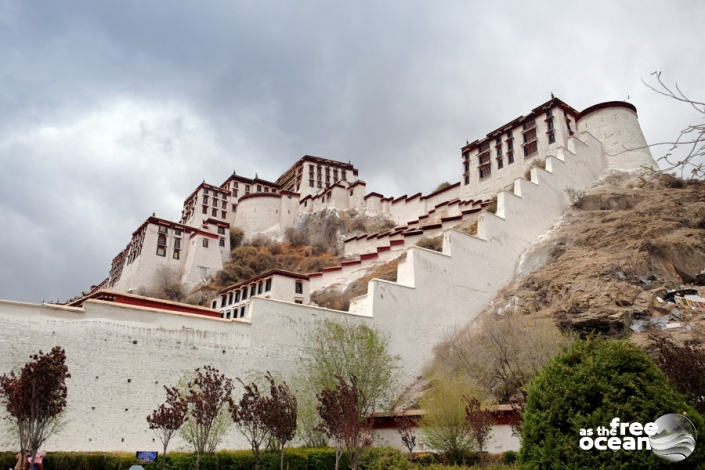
point(613, 253)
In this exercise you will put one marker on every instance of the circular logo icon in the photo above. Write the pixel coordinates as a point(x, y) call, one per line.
point(675, 439)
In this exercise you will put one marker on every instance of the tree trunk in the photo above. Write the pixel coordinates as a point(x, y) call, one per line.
point(338, 454)
point(198, 461)
point(281, 460)
point(256, 458)
point(164, 457)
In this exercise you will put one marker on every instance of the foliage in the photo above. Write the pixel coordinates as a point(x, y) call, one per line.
point(441, 186)
point(510, 457)
point(343, 349)
point(502, 355)
point(692, 137)
point(435, 243)
point(405, 427)
point(279, 412)
point(208, 397)
point(344, 412)
point(587, 386)
point(166, 286)
point(444, 420)
point(296, 237)
point(684, 365)
point(236, 237)
point(248, 415)
point(479, 424)
point(297, 459)
point(35, 398)
point(166, 420)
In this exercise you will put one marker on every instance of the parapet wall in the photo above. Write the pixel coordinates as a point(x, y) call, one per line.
point(436, 293)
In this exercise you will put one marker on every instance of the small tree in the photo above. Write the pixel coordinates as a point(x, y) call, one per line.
point(166, 420)
point(340, 413)
point(444, 420)
point(405, 427)
point(279, 414)
point(208, 397)
point(479, 424)
point(35, 398)
point(343, 349)
point(248, 415)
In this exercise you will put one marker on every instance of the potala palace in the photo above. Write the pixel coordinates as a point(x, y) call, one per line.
point(122, 348)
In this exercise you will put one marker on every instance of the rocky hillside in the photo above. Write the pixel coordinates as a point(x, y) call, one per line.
point(614, 256)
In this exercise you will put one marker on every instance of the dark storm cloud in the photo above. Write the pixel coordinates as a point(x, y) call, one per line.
point(114, 110)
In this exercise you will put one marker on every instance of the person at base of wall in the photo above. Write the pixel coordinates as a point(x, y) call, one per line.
point(38, 465)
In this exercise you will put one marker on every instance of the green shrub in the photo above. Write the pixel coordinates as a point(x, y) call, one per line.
point(384, 458)
point(586, 387)
point(510, 457)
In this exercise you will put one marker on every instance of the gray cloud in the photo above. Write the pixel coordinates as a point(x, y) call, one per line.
point(115, 110)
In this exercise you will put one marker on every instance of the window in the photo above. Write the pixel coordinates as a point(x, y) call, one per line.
point(223, 214)
point(297, 301)
point(204, 272)
point(234, 207)
point(230, 299)
point(234, 185)
point(549, 113)
point(266, 189)
point(529, 123)
point(253, 290)
point(242, 312)
point(467, 166)
point(177, 232)
point(310, 183)
point(222, 302)
point(259, 288)
point(205, 191)
point(485, 165)
point(351, 193)
point(466, 155)
point(500, 163)
point(550, 125)
point(299, 287)
point(161, 251)
point(177, 243)
point(498, 141)
point(259, 188)
point(319, 184)
point(510, 157)
point(161, 240)
point(205, 242)
point(268, 285)
point(215, 202)
point(344, 175)
point(235, 193)
point(327, 179)
point(177, 254)
point(214, 304)
point(221, 242)
point(205, 210)
point(163, 229)
point(221, 230)
point(510, 145)
point(247, 188)
point(530, 149)
point(499, 150)
point(224, 205)
point(467, 179)
point(244, 293)
point(530, 136)
point(214, 212)
point(237, 296)
point(484, 147)
point(205, 199)
point(551, 138)
point(509, 134)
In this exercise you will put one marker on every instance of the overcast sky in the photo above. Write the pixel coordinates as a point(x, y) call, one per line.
point(110, 111)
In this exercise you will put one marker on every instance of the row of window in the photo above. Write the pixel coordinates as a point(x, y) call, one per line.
point(255, 289)
point(214, 212)
point(234, 312)
point(215, 194)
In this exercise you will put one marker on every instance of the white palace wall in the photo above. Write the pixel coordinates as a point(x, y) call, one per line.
point(121, 357)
